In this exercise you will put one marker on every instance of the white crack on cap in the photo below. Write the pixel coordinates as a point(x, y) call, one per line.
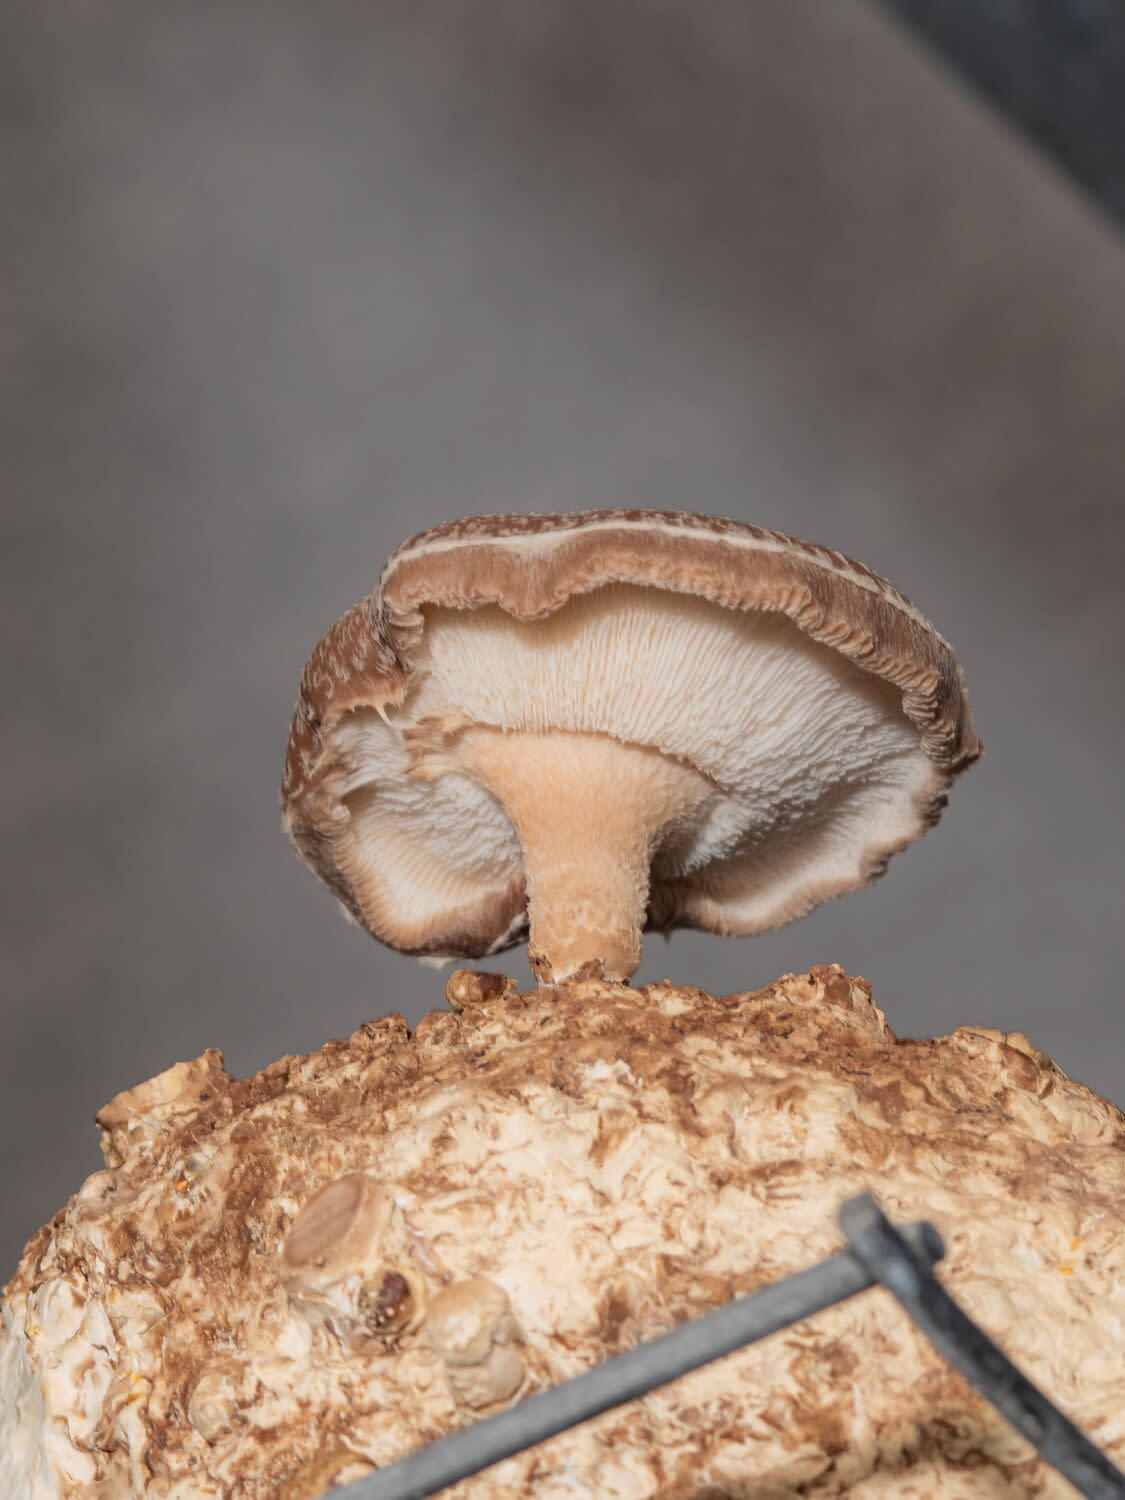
point(588, 724)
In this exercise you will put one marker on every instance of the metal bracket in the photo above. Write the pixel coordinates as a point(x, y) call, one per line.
point(900, 1259)
point(893, 1262)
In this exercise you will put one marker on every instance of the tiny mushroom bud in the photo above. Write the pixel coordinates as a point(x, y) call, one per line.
point(472, 1327)
point(577, 726)
point(214, 1399)
point(391, 1302)
point(467, 987)
point(337, 1231)
point(333, 1263)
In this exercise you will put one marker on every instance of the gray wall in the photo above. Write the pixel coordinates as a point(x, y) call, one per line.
point(288, 283)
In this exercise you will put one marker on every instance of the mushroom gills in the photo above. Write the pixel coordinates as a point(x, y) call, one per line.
point(636, 755)
point(590, 812)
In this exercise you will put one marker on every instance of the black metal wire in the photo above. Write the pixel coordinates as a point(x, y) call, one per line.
point(901, 1259)
point(627, 1376)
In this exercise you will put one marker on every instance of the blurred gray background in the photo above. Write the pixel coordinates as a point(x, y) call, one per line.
point(285, 284)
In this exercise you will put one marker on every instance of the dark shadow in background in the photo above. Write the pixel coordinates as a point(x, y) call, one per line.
point(1056, 67)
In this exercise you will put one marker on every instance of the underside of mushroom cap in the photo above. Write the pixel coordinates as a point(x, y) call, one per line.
point(816, 720)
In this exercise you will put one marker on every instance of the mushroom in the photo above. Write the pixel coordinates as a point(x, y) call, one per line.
point(585, 724)
point(468, 987)
point(470, 1324)
point(334, 1269)
point(391, 1302)
point(215, 1398)
point(336, 1232)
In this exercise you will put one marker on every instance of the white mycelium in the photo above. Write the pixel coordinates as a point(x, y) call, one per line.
point(25, 1469)
point(283, 1280)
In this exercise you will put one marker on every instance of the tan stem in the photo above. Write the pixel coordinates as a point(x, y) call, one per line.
point(590, 812)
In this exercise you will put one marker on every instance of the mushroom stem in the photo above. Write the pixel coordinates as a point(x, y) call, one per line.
point(590, 812)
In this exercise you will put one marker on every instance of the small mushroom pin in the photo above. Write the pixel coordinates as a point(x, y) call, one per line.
point(471, 1325)
point(587, 724)
point(334, 1266)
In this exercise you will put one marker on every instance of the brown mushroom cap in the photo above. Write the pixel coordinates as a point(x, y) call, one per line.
point(337, 1232)
point(674, 719)
point(470, 1324)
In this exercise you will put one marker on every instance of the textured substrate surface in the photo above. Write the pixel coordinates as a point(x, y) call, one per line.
point(543, 1182)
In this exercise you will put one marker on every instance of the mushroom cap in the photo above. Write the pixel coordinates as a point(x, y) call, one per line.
point(467, 1318)
point(828, 713)
point(337, 1232)
point(470, 1324)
